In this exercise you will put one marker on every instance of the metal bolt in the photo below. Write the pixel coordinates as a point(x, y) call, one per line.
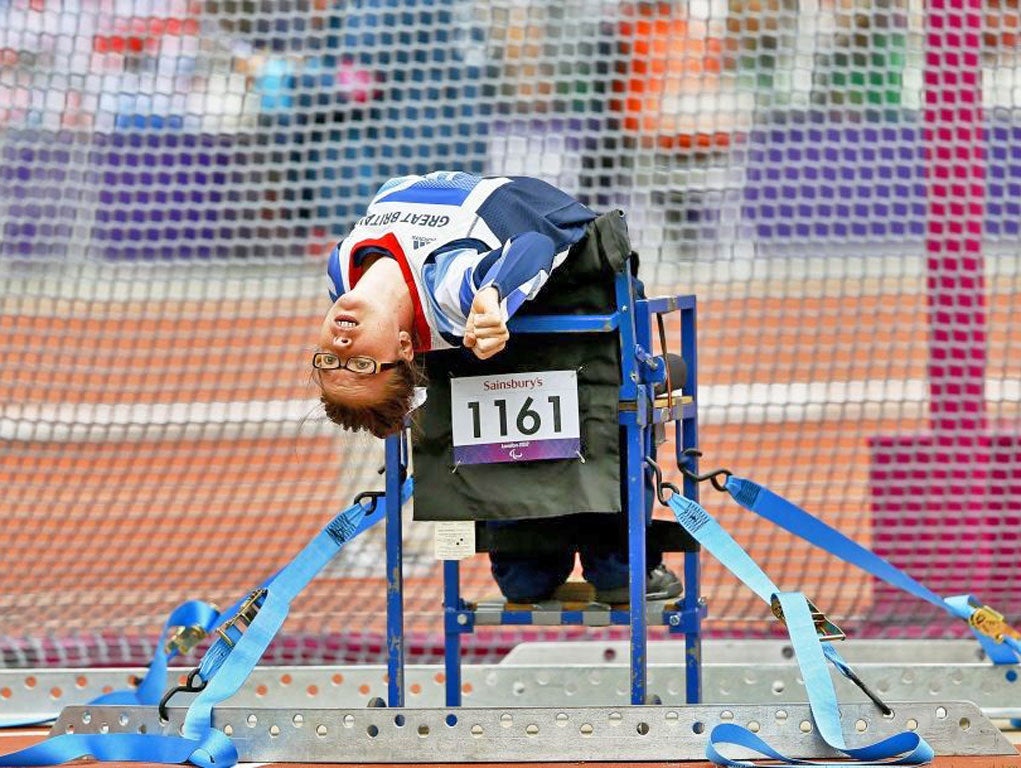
point(462, 619)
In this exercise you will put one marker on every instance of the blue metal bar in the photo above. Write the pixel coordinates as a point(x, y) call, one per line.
point(634, 327)
point(452, 630)
point(394, 574)
point(687, 437)
point(563, 324)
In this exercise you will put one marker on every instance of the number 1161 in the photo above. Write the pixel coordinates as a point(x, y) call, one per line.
point(528, 421)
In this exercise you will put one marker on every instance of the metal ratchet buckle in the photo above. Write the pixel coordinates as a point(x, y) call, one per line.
point(825, 628)
point(185, 638)
point(244, 617)
point(992, 624)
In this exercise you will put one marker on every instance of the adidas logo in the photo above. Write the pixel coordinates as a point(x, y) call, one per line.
point(421, 242)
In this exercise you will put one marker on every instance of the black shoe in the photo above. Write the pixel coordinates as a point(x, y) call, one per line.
point(661, 584)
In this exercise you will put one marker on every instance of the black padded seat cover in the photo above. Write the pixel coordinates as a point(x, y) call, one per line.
point(583, 284)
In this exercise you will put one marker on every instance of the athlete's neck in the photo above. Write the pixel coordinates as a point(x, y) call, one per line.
point(383, 283)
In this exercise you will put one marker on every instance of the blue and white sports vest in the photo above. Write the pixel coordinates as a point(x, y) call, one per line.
point(453, 234)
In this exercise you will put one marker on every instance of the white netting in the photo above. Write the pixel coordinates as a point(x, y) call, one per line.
point(172, 175)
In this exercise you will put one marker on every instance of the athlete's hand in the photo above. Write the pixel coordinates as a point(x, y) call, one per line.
point(486, 331)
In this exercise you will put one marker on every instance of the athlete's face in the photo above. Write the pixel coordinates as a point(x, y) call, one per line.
point(357, 327)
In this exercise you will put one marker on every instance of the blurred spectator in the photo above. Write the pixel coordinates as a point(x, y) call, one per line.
point(40, 43)
point(1000, 37)
point(759, 33)
point(862, 63)
point(672, 62)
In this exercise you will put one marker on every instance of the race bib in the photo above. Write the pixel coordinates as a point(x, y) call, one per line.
point(515, 417)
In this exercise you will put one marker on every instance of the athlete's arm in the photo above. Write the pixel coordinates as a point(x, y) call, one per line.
point(497, 284)
point(486, 331)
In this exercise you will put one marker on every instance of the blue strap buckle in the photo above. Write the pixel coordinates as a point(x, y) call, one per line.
point(992, 624)
point(246, 614)
point(824, 628)
point(184, 639)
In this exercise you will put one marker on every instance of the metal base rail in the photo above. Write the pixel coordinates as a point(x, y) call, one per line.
point(540, 734)
point(562, 674)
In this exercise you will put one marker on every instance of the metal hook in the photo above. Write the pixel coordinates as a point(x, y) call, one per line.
point(190, 686)
point(375, 496)
point(660, 484)
point(713, 477)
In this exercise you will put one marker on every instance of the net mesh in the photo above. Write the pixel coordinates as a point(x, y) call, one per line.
point(837, 181)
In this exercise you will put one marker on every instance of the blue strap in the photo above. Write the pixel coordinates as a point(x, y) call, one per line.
point(790, 517)
point(903, 749)
point(228, 664)
point(193, 613)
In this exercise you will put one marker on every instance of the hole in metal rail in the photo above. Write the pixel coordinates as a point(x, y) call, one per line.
point(754, 726)
point(698, 727)
point(274, 731)
point(941, 713)
point(911, 724)
point(561, 719)
point(321, 731)
point(586, 729)
point(298, 720)
point(805, 726)
point(373, 731)
point(861, 725)
point(781, 716)
point(532, 729)
point(423, 730)
point(643, 729)
point(476, 730)
point(964, 722)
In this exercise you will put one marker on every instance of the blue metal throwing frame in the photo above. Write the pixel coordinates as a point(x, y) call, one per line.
point(639, 414)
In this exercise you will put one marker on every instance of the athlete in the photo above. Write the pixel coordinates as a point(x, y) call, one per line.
point(437, 261)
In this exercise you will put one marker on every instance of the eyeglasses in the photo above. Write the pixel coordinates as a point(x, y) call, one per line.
point(363, 366)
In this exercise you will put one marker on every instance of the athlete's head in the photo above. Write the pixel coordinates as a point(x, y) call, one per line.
point(363, 365)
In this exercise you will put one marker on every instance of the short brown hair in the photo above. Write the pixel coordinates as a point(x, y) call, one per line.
point(385, 417)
